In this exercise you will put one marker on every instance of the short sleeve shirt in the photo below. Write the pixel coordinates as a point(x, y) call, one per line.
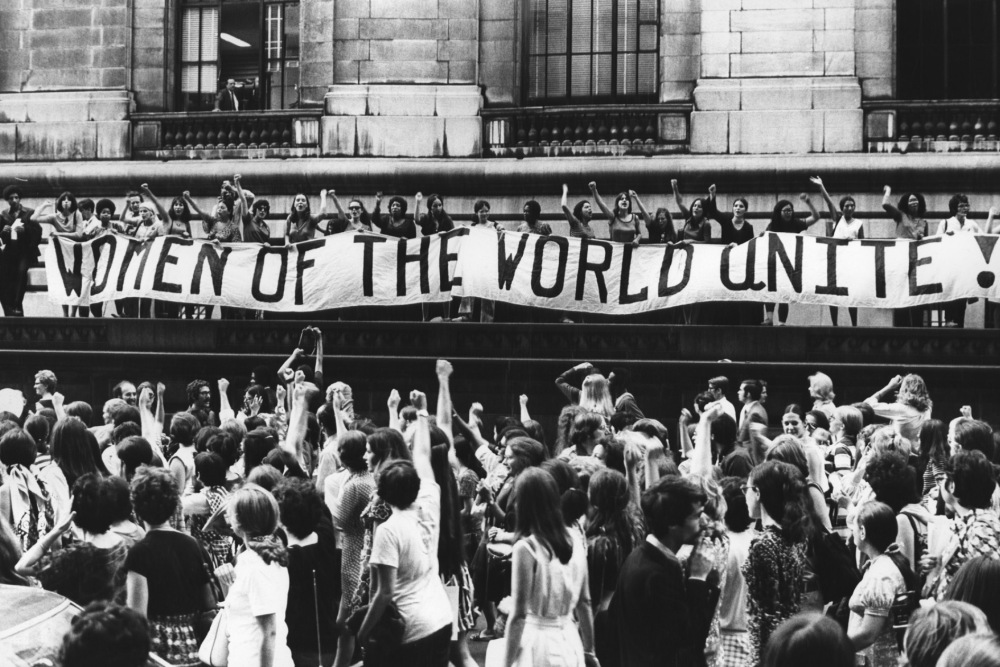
point(174, 569)
point(542, 228)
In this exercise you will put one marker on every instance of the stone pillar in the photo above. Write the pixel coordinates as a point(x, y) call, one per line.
point(777, 77)
point(404, 80)
point(317, 54)
point(63, 81)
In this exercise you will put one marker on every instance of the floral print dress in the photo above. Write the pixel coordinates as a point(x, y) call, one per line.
point(775, 575)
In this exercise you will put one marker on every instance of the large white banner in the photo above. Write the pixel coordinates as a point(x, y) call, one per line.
point(546, 271)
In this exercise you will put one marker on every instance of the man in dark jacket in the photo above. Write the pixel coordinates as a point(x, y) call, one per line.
point(20, 236)
point(660, 612)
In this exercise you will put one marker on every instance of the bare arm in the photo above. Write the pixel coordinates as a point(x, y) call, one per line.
point(523, 400)
point(26, 565)
point(241, 195)
point(422, 438)
point(896, 214)
point(831, 207)
point(522, 585)
point(600, 202)
point(296, 354)
point(682, 433)
point(989, 227)
point(225, 409)
point(137, 592)
point(268, 634)
point(393, 405)
point(814, 216)
point(416, 213)
point(39, 215)
point(157, 204)
point(318, 368)
point(336, 202)
point(643, 213)
point(297, 420)
point(685, 213)
point(444, 408)
point(385, 576)
point(701, 457)
point(654, 452)
point(206, 223)
point(570, 218)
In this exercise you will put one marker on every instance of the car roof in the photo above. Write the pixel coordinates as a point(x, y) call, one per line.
point(24, 604)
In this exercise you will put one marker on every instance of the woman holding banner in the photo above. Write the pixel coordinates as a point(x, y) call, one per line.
point(910, 225)
point(302, 225)
point(736, 230)
point(480, 219)
point(394, 223)
point(958, 206)
point(623, 224)
point(843, 225)
point(783, 221)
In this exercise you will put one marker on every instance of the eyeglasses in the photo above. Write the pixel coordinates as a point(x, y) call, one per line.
point(354, 208)
point(810, 427)
point(205, 392)
point(746, 487)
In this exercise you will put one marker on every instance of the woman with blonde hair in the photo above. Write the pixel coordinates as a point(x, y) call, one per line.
point(911, 409)
point(595, 395)
point(258, 598)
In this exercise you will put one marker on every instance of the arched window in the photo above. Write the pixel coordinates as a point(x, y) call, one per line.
point(947, 49)
point(580, 51)
point(254, 43)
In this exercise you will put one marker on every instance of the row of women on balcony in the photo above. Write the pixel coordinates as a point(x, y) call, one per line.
point(239, 216)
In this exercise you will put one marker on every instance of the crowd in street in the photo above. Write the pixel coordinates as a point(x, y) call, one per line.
point(286, 528)
point(237, 216)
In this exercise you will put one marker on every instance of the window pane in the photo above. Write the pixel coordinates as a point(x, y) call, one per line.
point(647, 37)
point(558, 21)
point(602, 75)
point(647, 11)
point(603, 24)
point(557, 76)
point(628, 25)
point(273, 29)
point(292, 32)
point(581, 77)
point(626, 73)
point(538, 26)
point(210, 33)
point(581, 26)
point(536, 76)
point(646, 83)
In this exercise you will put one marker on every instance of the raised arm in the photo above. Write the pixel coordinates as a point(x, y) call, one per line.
point(206, 222)
point(523, 400)
point(150, 429)
point(422, 438)
point(701, 456)
point(814, 216)
point(570, 218)
point(157, 204)
point(225, 409)
point(990, 227)
point(643, 213)
point(318, 367)
point(879, 395)
point(393, 405)
point(240, 195)
point(600, 202)
point(40, 214)
point(336, 202)
point(296, 354)
point(675, 186)
point(896, 214)
point(444, 408)
point(830, 206)
point(682, 433)
point(416, 213)
point(297, 421)
point(337, 403)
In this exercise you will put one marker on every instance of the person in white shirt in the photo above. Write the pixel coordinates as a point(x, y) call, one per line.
point(958, 206)
point(842, 225)
point(717, 387)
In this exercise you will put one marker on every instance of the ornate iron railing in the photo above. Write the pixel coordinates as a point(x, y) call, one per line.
point(897, 126)
point(599, 130)
point(292, 133)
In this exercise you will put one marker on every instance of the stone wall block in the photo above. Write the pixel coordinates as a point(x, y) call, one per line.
point(457, 101)
point(114, 140)
point(410, 72)
point(673, 127)
point(773, 131)
point(714, 66)
point(117, 56)
point(874, 65)
point(490, 31)
point(352, 49)
point(775, 4)
point(676, 91)
point(790, 94)
point(870, 41)
point(498, 9)
point(498, 78)
point(778, 42)
point(839, 63)
point(462, 71)
point(337, 135)
point(684, 23)
point(346, 9)
point(13, 108)
point(14, 19)
point(777, 20)
point(716, 21)
point(463, 136)
point(56, 141)
point(709, 132)
point(877, 89)
point(403, 49)
point(682, 45)
point(777, 64)
point(410, 28)
point(458, 9)
point(717, 95)
point(834, 93)
point(843, 18)
point(834, 40)
point(57, 39)
point(146, 136)
point(404, 9)
point(843, 131)
point(455, 49)
point(388, 136)
point(346, 71)
point(679, 68)
point(347, 28)
point(720, 5)
point(397, 101)
point(46, 19)
point(718, 43)
point(824, 4)
point(346, 100)
point(463, 29)
point(57, 59)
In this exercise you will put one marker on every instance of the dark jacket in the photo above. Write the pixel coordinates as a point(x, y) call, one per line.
point(661, 618)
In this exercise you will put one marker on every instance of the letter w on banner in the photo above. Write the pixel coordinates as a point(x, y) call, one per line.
point(526, 269)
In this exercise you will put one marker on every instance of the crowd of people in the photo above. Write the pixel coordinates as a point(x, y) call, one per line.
point(288, 529)
point(238, 216)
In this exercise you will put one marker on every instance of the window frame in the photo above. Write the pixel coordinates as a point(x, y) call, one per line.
point(262, 52)
point(613, 97)
point(907, 72)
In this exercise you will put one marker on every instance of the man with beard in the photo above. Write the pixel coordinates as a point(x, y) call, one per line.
point(19, 236)
point(199, 400)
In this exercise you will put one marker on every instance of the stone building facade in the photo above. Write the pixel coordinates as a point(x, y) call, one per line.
point(81, 79)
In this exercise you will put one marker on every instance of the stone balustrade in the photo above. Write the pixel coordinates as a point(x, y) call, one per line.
point(600, 130)
point(932, 127)
point(222, 135)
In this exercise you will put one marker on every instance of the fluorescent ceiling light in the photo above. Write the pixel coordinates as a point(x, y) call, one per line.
point(235, 41)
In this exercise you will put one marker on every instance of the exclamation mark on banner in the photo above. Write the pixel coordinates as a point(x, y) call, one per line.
point(986, 245)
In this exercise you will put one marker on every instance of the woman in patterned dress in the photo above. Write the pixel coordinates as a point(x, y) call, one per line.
point(775, 567)
point(211, 472)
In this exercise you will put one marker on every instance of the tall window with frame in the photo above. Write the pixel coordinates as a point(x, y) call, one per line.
point(948, 49)
point(254, 43)
point(591, 51)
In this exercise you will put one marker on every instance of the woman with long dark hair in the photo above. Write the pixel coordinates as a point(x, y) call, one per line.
point(76, 453)
point(910, 225)
point(549, 585)
point(783, 221)
point(775, 567)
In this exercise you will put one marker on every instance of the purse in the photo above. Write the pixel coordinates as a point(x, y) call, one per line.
point(214, 650)
point(388, 632)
